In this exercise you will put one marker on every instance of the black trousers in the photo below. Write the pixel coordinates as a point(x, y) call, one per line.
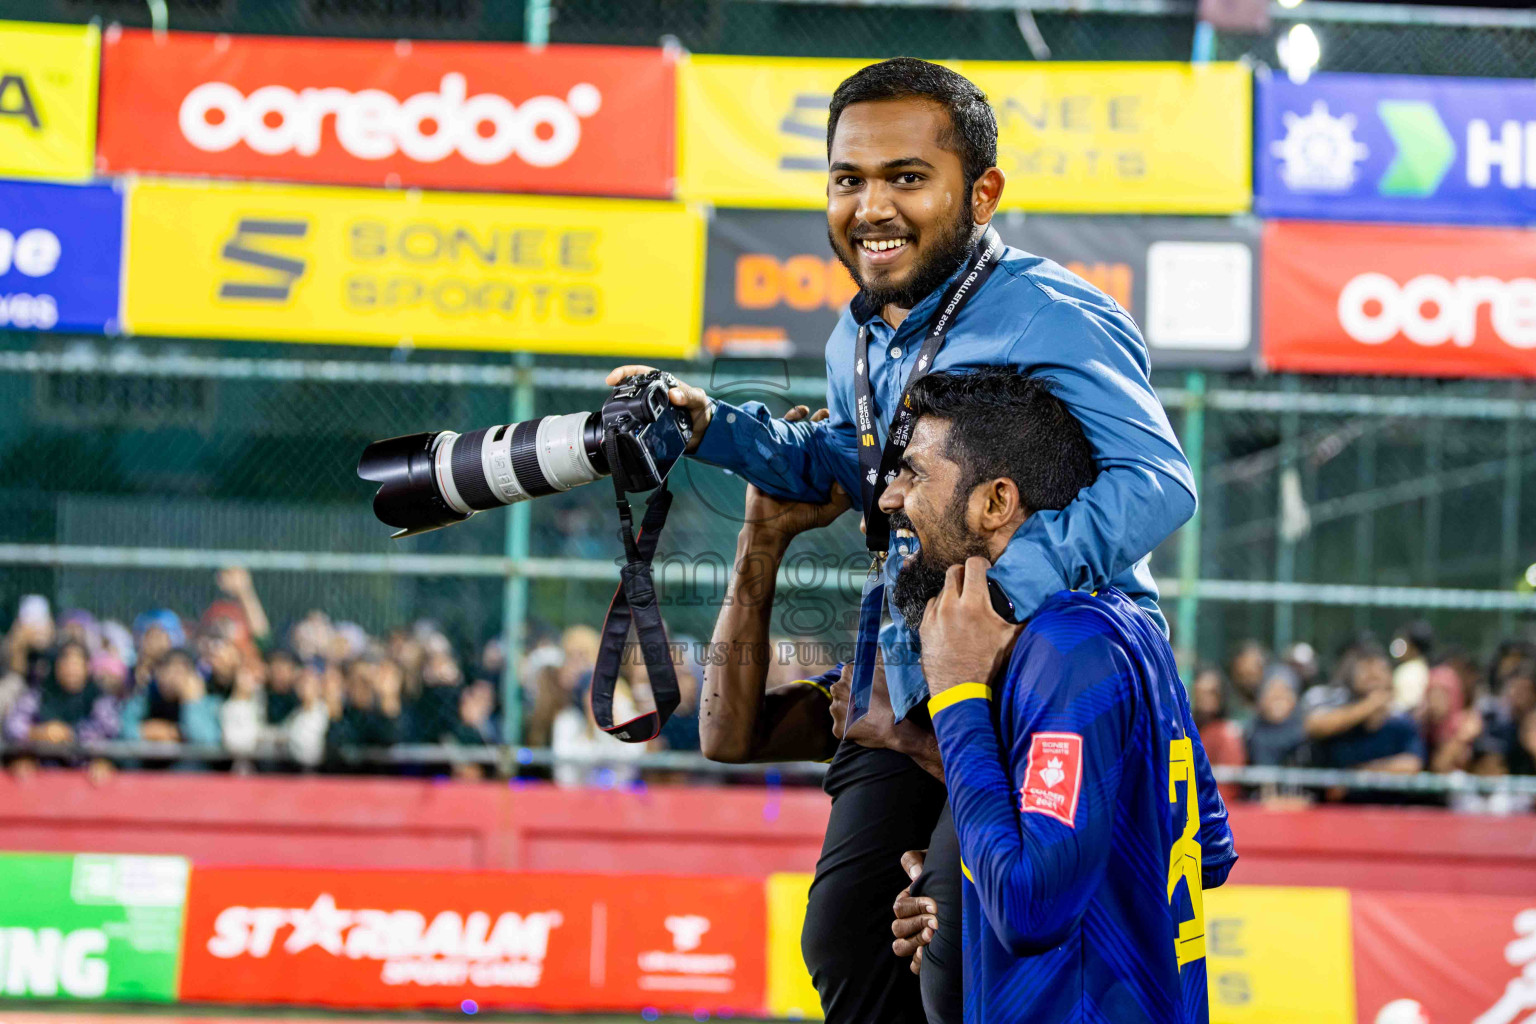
point(883, 805)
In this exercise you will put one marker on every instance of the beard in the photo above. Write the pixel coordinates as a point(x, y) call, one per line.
point(922, 575)
point(951, 248)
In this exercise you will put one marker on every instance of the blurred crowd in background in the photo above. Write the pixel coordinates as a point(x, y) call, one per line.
point(310, 697)
point(1409, 706)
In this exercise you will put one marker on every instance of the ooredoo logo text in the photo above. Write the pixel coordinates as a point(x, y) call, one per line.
point(1432, 310)
point(372, 124)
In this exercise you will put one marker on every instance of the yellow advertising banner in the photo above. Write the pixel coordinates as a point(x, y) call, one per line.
point(431, 269)
point(1274, 954)
point(790, 992)
point(1077, 138)
point(48, 100)
point(1278, 955)
point(752, 131)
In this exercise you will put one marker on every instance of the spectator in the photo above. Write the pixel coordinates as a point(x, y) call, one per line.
point(546, 697)
point(1352, 723)
point(473, 726)
point(304, 730)
point(199, 719)
point(56, 710)
point(155, 634)
point(1449, 722)
point(1505, 746)
point(110, 675)
point(574, 738)
point(407, 652)
point(1221, 737)
point(221, 662)
point(281, 691)
point(81, 627)
point(29, 641)
point(580, 644)
point(310, 637)
point(252, 630)
point(1277, 736)
point(117, 640)
point(682, 730)
point(436, 709)
point(1508, 657)
point(1301, 658)
point(365, 720)
point(153, 710)
point(1411, 648)
point(389, 699)
point(1246, 671)
point(13, 682)
point(242, 717)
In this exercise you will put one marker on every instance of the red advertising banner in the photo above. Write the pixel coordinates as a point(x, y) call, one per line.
point(474, 939)
point(593, 120)
point(1388, 299)
point(1442, 959)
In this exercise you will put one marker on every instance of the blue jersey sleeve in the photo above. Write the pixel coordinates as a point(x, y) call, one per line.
point(1034, 818)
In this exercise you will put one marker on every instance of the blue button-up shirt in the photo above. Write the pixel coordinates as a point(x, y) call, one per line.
point(1035, 315)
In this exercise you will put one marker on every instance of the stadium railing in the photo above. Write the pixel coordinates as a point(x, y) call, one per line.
point(509, 761)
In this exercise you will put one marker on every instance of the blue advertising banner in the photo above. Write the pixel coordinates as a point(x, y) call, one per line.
point(61, 250)
point(1397, 148)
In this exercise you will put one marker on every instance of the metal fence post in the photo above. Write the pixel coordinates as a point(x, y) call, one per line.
point(1365, 524)
point(1189, 539)
point(514, 602)
point(536, 17)
point(1285, 549)
point(1509, 528)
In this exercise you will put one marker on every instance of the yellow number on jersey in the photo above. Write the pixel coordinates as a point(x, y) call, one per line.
point(1184, 857)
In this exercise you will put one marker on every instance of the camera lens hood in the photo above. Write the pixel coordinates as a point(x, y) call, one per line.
point(408, 497)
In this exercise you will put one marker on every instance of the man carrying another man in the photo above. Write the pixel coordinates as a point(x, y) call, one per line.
point(912, 187)
point(1088, 820)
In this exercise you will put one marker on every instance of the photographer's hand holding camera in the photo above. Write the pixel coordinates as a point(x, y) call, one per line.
point(684, 396)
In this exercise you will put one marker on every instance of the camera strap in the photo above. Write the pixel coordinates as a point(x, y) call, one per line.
point(634, 603)
point(878, 465)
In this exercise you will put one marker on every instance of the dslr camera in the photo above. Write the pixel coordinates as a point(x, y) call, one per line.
point(431, 480)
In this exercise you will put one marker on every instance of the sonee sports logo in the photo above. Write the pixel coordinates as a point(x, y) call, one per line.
point(281, 272)
point(373, 125)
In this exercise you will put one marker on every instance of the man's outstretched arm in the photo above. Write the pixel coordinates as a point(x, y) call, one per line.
point(740, 719)
point(793, 458)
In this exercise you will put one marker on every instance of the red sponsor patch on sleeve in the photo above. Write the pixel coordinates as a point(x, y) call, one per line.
point(1054, 776)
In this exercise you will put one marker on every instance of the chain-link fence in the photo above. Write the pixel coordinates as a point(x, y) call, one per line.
point(1367, 37)
point(1329, 506)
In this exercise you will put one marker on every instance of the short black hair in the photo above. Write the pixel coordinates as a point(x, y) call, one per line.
point(1419, 633)
point(972, 130)
point(1003, 423)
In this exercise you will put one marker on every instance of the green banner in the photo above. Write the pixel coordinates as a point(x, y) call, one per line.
point(90, 926)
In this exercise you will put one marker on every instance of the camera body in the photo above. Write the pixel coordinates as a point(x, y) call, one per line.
point(650, 433)
point(431, 480)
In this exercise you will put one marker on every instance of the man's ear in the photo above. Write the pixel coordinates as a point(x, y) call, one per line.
point(999, 505)
point(986, 194)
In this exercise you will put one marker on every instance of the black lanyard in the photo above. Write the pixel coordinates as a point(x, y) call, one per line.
point(878, 467)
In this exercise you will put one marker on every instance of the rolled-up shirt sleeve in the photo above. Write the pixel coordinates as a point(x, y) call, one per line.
point(1144, 490)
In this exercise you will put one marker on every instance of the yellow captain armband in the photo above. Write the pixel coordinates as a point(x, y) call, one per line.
point(956, 694)
point(813, 684)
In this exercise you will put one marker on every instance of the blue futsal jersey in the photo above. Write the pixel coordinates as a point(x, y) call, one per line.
point(1089, 823)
